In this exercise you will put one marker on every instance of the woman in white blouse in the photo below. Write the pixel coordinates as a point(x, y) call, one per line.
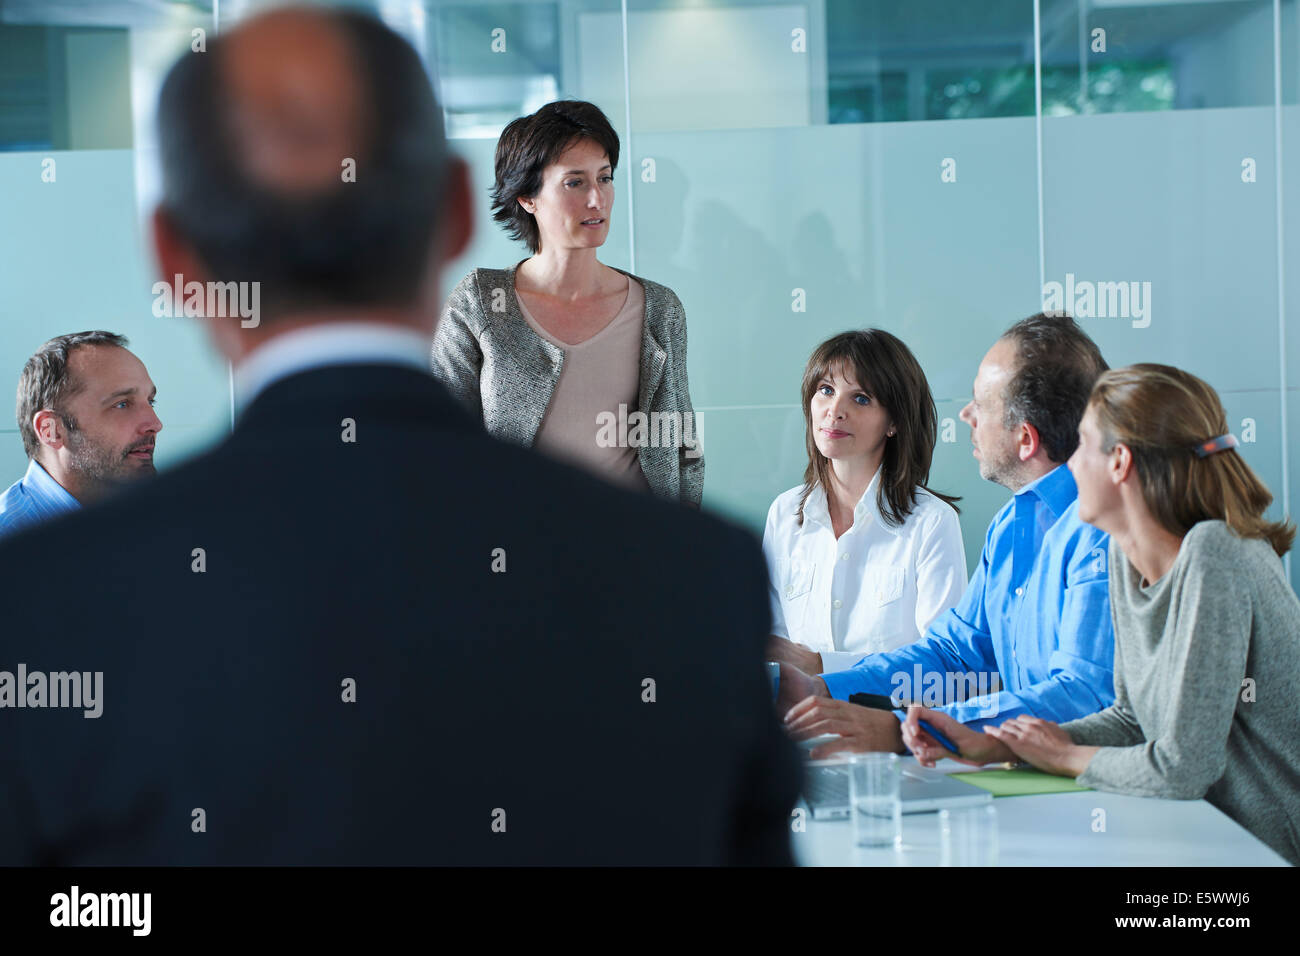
point(862, 556)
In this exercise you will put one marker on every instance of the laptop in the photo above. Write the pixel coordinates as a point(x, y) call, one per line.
point(921, 790)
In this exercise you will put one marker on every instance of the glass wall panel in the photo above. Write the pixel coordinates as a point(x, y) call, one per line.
point(1176, 210)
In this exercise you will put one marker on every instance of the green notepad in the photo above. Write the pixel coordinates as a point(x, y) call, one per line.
point(1022, 782)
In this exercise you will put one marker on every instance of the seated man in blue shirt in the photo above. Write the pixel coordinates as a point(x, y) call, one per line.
point(1036, 613)
point(85, 413)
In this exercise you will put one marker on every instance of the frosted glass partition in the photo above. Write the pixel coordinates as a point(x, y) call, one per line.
point(1179, 210)
point(777, 239)
point(710, 67)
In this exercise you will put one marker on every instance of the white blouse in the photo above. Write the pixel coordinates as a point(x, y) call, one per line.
point(876, 588)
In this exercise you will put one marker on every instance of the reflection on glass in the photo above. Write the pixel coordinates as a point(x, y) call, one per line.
point(495, 61)
point(929, 59)
point(1120, 56)
point(64, 88)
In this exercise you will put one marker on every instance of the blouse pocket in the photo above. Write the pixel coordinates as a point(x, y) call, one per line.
point(798, 579)
point(884, 584)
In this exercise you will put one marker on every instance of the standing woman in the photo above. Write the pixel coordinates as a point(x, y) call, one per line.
point(560, 351)
point(861, 557)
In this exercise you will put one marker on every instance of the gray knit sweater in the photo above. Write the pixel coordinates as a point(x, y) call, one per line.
point(486, 353)
point(1183, 726)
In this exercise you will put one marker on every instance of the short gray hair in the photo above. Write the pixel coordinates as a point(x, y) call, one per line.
point(45, 382)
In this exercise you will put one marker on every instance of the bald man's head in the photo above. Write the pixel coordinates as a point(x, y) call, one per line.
point(260, 138)
point(295, 98)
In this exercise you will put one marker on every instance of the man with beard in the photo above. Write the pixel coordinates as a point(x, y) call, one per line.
point(85, 413)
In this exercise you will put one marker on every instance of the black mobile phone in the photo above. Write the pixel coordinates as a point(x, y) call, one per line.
point(875, 701)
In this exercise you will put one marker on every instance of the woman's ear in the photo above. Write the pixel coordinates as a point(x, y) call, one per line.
point(1121, 463)
point(528, 205)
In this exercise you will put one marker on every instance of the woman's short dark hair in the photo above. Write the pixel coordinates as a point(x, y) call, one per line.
point(1057, 365)
point(530, 144)
point(885, 369)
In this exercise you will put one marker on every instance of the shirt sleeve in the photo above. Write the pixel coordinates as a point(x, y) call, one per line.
point(958, 641)
point(940, 568)
point(771, 546)
point(1206, 668)
point(833, 661)
point(457, 358)
point(1081, 667)
point(1116, 726)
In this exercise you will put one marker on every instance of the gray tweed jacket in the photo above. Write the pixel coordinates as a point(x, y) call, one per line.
point(490, 358)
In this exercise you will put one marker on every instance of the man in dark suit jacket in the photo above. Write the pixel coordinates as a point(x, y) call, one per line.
point(360, 630)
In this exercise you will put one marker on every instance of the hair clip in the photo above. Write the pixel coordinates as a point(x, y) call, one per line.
point(1216, 444)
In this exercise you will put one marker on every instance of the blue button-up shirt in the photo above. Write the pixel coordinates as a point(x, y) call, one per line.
point(34, 497)
point(1036, 613)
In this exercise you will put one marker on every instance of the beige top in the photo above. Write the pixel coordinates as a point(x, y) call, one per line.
point(583, 423)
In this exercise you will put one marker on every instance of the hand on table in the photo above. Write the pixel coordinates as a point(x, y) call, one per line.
point(976, 748)
point(1043, 744)
point(795, 685)
point(861, 729)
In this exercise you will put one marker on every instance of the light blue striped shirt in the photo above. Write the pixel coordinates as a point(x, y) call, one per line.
point(34, 497)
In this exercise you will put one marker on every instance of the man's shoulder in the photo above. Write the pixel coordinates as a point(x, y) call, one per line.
point(588, 498)
point(1000, 521)
point(1082, 546)
point(11, 499)
point(652, 546)
point(20, 509)
point(472, 484)
point(1077, 530)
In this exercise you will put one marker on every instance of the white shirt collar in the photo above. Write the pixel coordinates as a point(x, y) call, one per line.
point(330, 343)
point(865, 510)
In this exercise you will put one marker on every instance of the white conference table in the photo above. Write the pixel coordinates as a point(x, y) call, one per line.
point(1057, 830)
